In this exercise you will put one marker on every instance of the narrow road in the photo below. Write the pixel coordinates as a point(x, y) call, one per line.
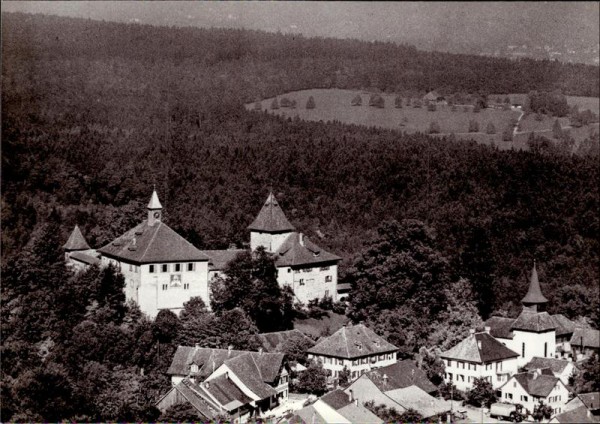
point(517, 124)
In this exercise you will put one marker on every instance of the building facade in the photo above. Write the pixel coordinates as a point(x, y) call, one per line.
point(531, 388)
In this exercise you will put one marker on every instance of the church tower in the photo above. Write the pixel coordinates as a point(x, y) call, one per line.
point(154, 209)
point(534, 300)
point(271, 227)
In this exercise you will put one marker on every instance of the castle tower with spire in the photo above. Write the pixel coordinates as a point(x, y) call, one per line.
point(271, 227)
point(78, 253)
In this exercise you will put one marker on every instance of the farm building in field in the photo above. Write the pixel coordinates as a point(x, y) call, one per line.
point(434, 97)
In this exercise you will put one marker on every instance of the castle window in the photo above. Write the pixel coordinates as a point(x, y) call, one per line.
point(177, 267)
point(165, 286)
point(545, 349)
point(301, 281)
point(326, 292)
point(164, 268)
point(130, 267)
point(186, 286)
point(151, 269)
point(190, 266)
point(523, 350)
point(307, 270)
point(328, 279)
point(324, 268)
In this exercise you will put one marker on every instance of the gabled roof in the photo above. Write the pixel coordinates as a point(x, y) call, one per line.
point(76, 241)
point(534, 294)
point(208, 360)
point(273, 342)
point(400, 375)
point(154, 203)
point(500, 327)
point(359, 414)
point(479, 348)
point(271, 218)
point(533, 321)
point(203, 405)
point(578, 415)
point(218, 259)
point(336, 399)
point(352, 342)
point(148, 244)
point(226, 392)
point(536, 385)
point(419, 400)
point(86, 259)
point(248, 370)
point(590, 400)
point(557, 366)
point(297, 249)
point(588, 336)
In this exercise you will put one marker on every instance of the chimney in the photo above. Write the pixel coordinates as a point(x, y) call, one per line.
point(487, 329)
point(479, 344)
point(351, 395)
point(385, 378)
point(196, 346)
point(356, 402)
point(227, 375)
point(260, 350)
point(472, 331)
point(301, 239)
point(229, 349)
point(207, 385)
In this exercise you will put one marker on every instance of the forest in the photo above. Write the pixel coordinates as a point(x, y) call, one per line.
point(95, 113)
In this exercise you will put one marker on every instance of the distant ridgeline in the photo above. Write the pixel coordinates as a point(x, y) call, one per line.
point(251, 57)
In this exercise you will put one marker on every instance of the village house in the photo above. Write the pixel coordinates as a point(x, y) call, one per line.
point(479, 356)
point(531, 388)
point(585, 342)
point(583, 408)
point(400, 386)
point(560, 368)
point(241, 384)
point(356, 348)
point(333, 408)
point(434, 97)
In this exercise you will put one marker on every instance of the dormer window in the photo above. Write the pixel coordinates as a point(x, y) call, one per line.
point(194, 368)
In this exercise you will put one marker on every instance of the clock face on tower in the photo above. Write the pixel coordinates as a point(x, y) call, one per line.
point(156, 214)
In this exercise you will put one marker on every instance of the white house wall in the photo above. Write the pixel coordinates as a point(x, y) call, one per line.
point(557, 398)
point(536, 344)
point(463, 374)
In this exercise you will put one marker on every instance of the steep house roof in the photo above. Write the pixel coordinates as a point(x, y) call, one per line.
point(226, 392)
point(249, 368)
point(148, 244)
point(76, 241)
point(154, 203)
point(208, 360)
point(535, 384)
point(336, 399)
point(500, 327)
point(203, 405)
point(86, 259)
point(557, 366)
point(218, 259)
point(419, 400)
point(533, 321)
point(297, 249)
point(590, 400)
point(432, 95)
point(564, 325)
point(479, 348)
point(588, 336)
point(352, 342)
point(400, 375)
point(534, 294)
point(271, 218)
point(359, 414)
point(273, 342)
point(578, 415)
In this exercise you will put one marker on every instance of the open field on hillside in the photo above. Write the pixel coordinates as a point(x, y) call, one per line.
point(591, 103)
point(335, 105)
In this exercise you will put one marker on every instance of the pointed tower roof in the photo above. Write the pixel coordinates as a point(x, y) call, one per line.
point(154, 202)
point(76, 241)
point(271, 218)
point(534, 294)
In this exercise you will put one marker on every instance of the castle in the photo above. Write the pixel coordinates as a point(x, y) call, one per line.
point(162, 270)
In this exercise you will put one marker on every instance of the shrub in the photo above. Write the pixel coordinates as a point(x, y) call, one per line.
point(310, 104)
point(357, 100)
point(507, 134)
point(476, 108)
point(431, 107)
point(490, 129)
point(398, 102)
point(275, 104)
point(466, 109)
point(473, 126)
point(257, 105)
point(434, 128)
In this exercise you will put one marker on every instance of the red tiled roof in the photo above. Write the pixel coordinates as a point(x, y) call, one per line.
point(533, 321)
point(297, 249)
point(500, 327)
point(557, 366)
point(479, 348)
point(76, 241)
point(271, 218)
point(156, 243)
point(203, 405)
point(591, 400)
point(563, 324)
point(226, 392)
point(578, 415)
point(534, 294)
point(247, 368)
point(352, 342)
point(400, 375)
point(336, 399)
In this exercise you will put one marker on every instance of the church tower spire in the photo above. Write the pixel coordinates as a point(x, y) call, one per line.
point(154, 209)
point(534, 300)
